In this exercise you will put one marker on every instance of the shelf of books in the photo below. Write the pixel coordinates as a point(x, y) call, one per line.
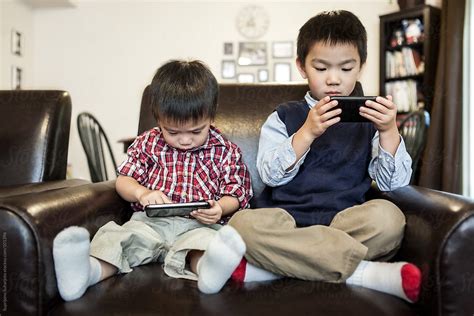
point(408, 56)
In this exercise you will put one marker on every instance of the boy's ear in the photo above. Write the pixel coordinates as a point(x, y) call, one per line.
point(301, 68)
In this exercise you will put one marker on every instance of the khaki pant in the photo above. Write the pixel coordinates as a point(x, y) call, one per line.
point(373, 230)
point(142, 240)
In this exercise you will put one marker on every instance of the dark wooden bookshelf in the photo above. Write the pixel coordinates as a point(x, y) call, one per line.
point(427, 47)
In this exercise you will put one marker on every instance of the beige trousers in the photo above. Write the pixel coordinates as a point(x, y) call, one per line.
point(144, 239)
point(371, 231)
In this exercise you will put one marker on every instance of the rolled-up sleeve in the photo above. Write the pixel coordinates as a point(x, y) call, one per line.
point(390, 171)
point(235, 178)
point(136, 162)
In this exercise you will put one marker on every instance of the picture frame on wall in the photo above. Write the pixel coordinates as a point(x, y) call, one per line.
point(228, 69)
point(245, 78)
point(16, 78)
point(16, 43)
point(262, 75)
point(252, 53)
point(228, 48)
point(282, 49)
point(282, 72)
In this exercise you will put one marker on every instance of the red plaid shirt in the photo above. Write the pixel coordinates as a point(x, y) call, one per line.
point(207, 172)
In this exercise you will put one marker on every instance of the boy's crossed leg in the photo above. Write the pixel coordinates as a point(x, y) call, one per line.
point(401, 279)
point(76, 270)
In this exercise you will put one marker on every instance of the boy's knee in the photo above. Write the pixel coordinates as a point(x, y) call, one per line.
point(242, 221)
point(246, 223)
point(386, 219)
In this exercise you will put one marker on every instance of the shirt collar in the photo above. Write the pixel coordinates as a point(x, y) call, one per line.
point(214, 139)
point(310, 100)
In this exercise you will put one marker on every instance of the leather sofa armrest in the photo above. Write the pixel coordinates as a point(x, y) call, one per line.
point(29, 223)
point(6, 191)
point(438, 238)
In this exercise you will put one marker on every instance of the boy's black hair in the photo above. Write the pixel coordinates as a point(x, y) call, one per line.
point(184, 90)
point(332, 27)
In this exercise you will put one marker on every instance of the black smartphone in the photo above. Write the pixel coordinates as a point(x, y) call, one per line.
point(350, 108)
point(174, 209)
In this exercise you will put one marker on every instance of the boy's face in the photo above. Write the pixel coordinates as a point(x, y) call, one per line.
point(187, 135)
point(331, 69)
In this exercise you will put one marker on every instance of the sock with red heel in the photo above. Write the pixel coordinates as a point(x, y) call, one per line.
point(246, 272)
point(222, 255)
point(401, 279)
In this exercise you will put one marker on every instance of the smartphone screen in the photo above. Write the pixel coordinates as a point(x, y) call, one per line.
point(174, 209)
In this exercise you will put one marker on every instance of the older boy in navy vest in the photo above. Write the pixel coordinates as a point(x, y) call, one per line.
point(314, 222)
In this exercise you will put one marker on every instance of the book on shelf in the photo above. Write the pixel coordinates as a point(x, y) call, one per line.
point(404, 62)
point(405, 94)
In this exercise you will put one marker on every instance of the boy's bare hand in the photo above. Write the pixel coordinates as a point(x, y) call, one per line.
point(320, 117)
point(382, 113)
point(210, 215)
point(153, 197)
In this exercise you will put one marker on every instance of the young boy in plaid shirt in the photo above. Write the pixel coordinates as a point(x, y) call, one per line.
point(183, 159)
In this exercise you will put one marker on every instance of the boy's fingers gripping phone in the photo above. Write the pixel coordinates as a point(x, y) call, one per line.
point(350, 108)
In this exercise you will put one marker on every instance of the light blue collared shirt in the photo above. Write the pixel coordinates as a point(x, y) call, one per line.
point(276, 155)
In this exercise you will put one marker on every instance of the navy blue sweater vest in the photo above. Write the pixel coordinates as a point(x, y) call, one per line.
point(333, 176)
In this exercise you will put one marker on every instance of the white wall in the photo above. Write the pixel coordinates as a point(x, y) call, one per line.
point(437, 3)
point(105, 54)
point(14, 14)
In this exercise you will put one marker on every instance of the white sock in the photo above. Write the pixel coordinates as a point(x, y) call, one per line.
point(220, 259)
point(75, 269)
point(401, 279)
point(253, 273)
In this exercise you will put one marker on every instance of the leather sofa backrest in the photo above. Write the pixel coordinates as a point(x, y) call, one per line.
point(34, 136)
point(240, 126)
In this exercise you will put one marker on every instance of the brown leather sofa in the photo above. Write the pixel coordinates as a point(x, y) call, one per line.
point(439, 238)
point(34, 135)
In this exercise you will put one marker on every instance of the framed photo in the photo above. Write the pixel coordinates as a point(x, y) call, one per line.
point(262, 75)
point(282, 72)
point(246, 78)
point(17, 43)
point(252, 53)
point(228, 48)
point(282, 49)
point(16, 78)
point(228, 69)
